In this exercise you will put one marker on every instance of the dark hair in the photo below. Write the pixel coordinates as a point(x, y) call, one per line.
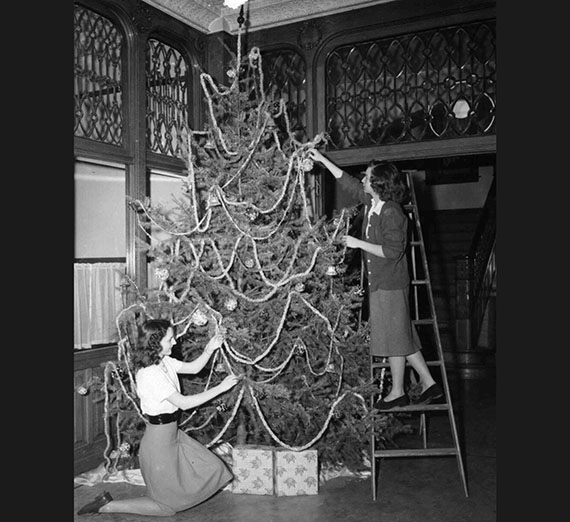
point(388, 182)
point(151, 332)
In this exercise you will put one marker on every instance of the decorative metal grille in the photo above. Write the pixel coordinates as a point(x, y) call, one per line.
point(167, 98)
point(285, 76)
point(436, 84)
point(98, 93)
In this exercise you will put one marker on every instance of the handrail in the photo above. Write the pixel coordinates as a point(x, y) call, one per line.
point(475, 275)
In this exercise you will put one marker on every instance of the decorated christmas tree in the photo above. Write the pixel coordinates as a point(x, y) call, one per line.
point(242, 252)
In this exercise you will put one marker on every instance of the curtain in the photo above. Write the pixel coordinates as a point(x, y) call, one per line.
point(97, 302)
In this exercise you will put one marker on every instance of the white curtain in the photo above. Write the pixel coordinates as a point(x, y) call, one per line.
point(97, 302)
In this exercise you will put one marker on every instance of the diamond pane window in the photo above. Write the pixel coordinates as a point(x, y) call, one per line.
point(167, 98)
point(98, 90)
point(436, 84)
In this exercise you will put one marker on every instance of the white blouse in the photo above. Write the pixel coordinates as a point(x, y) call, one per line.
point(157, 382)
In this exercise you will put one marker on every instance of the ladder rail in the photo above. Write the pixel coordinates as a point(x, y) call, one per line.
point(417, 240)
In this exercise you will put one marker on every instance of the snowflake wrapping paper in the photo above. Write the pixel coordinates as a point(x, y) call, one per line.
point(253, 470)
point(296, 472)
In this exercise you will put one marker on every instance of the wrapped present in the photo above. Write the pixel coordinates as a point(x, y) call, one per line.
point(296, 472)
point(253, 469)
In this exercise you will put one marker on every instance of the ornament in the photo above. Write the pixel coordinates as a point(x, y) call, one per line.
point(213, 201)
point(332, 271)
point(264, 314)
point(358, 291)
point(307, 165)
point(124, 448)
point(82, 390)
point(231, 73)
point(299, 347)
point(300, 287)
point(249, 263)
point(162, 273)
point(199, 318)
point(220, 368)
point(330, 368)
point(251, 213)
point(221, 406)
point(231, 304)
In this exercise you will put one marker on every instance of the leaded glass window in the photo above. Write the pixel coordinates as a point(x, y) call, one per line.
point(167, 98)
point(435, 84)
point(98, 91)
point(285, 75)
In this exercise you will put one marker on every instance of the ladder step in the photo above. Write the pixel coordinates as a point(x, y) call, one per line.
point(417, 407)
point(421, 452)
point(420, 281)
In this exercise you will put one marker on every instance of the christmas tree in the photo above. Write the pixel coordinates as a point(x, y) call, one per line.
point(242, 252)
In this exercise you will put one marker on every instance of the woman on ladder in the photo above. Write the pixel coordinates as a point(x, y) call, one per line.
point(385, 240)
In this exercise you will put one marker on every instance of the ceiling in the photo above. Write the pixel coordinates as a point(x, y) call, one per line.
point(210, 16)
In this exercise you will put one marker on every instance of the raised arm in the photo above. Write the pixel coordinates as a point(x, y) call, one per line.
point(197, 364)
point(335, 170)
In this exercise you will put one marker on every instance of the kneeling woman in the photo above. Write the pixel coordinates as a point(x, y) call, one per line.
point(178, 471)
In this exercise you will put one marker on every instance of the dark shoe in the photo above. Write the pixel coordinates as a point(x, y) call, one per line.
point(93, 507)
point(383, 405)
point(430, 394)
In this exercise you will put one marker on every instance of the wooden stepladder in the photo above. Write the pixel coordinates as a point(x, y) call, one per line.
point(424, 318)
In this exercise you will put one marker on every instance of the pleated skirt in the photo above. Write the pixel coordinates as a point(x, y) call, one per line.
point(391, 330)
point(178, 471)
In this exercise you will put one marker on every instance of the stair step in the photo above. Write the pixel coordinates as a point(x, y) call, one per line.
point(421, 452)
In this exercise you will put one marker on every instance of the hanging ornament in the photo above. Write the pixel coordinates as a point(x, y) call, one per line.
point(251, 213)
point(299, 347)
point(307, 165)
point(231, 304)
point(330, 368)
point(300, 287)
point(199, 318)
point(162, 273)
point(220, 368)
point(249, 262)
point(358, 291)
point(82, 390)
point(213, 200)
point(124, 449)
point(231, 73)
point(221, 406)
point(332, 270)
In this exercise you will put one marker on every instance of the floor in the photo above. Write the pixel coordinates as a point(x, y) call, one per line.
point(425, 489)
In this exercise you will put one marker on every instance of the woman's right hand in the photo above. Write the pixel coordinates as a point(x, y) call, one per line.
point(315, 155)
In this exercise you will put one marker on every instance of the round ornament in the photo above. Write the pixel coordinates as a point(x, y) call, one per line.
point(199, 318)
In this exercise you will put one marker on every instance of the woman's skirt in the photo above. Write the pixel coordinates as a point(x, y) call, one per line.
point(391, 330)
point(178, 471)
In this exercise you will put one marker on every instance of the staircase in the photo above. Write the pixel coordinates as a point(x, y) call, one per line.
point(448, 235)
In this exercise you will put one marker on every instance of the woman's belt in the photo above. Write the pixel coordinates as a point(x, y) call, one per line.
point(164, 418)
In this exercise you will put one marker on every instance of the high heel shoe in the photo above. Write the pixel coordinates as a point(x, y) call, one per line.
point(95, 504)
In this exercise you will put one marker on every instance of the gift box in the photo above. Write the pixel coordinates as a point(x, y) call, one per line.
point(296, 472)
point(253, 469)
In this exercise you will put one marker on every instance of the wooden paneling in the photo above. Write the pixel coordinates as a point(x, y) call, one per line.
point(89, 410)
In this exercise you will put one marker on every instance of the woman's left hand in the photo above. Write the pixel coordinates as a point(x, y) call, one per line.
point(214, 343)
point(350, 241)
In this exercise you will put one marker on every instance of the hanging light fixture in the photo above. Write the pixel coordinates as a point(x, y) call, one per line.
point(234, 4)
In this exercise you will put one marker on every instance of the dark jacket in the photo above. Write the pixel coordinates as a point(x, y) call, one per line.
point(389, 229)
